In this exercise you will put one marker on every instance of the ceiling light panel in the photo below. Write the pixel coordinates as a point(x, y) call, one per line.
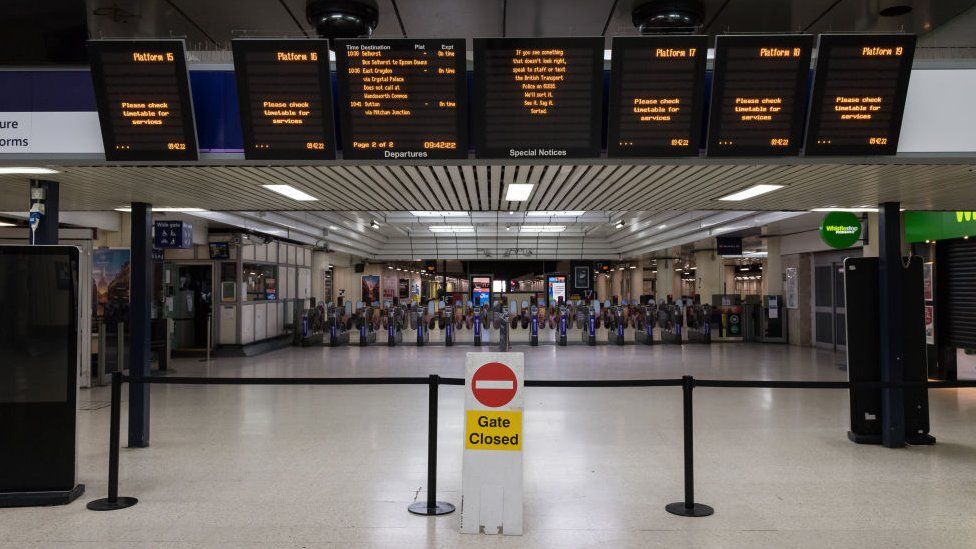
point(751, 192)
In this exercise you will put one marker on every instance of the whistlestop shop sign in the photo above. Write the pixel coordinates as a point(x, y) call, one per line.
point(840, 229)
point(491, 480)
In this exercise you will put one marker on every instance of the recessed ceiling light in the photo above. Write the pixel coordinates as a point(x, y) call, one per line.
point(662, 226)
point(374, 224)
point(858, 209)
point(5, 224)
point(518, 192)
point(556, 213)
point(128, 209)
point(619, 225)
point(751, 192)
point(291, 192)
point(438, 214)
point(542, 228)
point(4, 170)
point(451, 229)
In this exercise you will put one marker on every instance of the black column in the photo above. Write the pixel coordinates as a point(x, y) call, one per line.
point(44, 194)
point(139, 322)
point(891, 312)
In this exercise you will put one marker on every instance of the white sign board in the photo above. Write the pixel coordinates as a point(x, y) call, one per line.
point(50, 132)
point(491, 479)
point(791, 286)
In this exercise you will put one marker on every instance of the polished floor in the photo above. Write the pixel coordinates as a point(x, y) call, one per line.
point(296, 466)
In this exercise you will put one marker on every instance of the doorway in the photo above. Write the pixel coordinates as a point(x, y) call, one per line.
point(829, 304)
point(190, 305)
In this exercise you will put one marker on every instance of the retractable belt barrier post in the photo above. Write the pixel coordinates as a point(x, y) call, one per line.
point(431, 507)
point(688, 507)
point(113, 501)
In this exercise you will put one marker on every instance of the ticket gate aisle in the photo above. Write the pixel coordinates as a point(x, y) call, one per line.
point(337, 319)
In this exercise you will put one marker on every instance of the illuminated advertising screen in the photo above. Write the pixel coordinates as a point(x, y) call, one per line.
point(481, 290)
point(538, 97)
point(557, 288)
point(402, 98)
point(285, 98)
point(142, 92)
point(657, 88)
point(759, 95)
point(859, 93)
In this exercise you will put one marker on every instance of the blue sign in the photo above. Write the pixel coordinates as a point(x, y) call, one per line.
point(173, 234)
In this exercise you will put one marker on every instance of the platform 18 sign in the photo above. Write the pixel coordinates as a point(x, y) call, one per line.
point(491, 484)
point(173, 234)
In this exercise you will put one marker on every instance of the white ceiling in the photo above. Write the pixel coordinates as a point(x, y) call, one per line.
point(943, 182)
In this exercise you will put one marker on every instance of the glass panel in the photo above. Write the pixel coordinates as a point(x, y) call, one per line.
point(261, 281)
point(839, 285)
point(841, 327)
point(822, 280)
point(825, 328)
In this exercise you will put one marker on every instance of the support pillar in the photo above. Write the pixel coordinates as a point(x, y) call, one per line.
point(709, 271)
point(665, 280)
point(891, 315)
point(636, 282)
point(772, 281)
point(140, 294)
point(601, 287)
point(45, 200)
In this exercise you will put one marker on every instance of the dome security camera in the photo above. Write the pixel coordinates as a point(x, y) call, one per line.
point(668, 16)
point(343, 18)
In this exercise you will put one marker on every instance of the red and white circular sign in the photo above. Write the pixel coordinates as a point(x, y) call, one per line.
point(494, 384)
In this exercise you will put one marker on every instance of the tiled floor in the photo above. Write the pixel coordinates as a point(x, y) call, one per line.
point(294, 466)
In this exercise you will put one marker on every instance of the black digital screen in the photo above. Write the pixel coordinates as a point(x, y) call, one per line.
point(657, 87)
point(219, 250)
point(538, 97)
point(38, 335)
point(402, 98)
point(285, 96)
point(143, 95)
point(859, 93)
point(759, 95)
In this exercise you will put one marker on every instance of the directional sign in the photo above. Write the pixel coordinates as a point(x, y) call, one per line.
point(172, 234)
point(494, 384)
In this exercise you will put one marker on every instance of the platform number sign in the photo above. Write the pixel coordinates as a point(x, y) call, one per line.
point(172, 235)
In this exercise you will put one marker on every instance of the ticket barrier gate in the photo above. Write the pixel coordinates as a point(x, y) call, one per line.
point(699, 325)
point(534, 326)
point(337, 331)
point(589, 333)
point(394, 326)
point(617, 325)
point(501, 323)
point(645, 331)
point(423, 335)
point(449, 326)
point(563, 327)
point(367, 333)
point(669, 319)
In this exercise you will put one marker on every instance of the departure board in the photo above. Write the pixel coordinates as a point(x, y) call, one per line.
point(759, 95)
point(142, 92)
point(657, 87)
point(402, 98)
point(285, 97)
point(859, 93)
point(538, 97)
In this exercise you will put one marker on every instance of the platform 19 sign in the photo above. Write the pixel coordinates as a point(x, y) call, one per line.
point(491, 485)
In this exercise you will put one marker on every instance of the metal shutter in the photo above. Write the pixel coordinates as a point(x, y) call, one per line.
point(959, 299)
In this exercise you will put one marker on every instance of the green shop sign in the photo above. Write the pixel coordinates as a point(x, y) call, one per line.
point(922, 226)
point(840, 229)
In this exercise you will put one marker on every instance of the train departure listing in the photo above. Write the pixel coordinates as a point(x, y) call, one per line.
point(538, 97)
point(402, 99)
point(285, 99)
point(859, 93)
point(758, 95)
point(143, 97)
point(656, 95)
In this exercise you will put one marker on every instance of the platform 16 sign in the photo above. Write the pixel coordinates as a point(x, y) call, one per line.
point(173, 234)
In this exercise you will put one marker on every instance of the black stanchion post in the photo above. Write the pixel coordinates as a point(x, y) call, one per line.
point(431, 507)
point(688, 507)
point(113, 501)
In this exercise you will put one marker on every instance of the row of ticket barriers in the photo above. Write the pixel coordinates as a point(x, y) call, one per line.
point(505, 323)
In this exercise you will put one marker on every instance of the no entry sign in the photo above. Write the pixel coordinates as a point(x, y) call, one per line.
point(494, 384)
point(491, 482)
